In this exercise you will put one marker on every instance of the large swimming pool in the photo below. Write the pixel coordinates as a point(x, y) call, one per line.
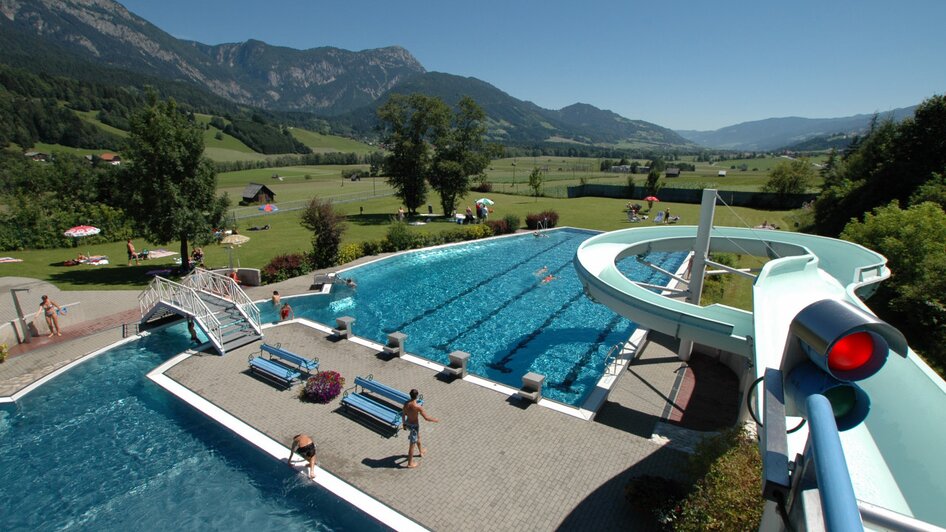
point(488, 298)
point(103, 448)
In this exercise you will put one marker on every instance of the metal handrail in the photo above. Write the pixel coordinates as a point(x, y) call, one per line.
point(185, 298)
point(611, 359)
point(223, 286)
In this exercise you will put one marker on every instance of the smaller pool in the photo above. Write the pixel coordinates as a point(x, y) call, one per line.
point(101, 447)
point(515, 304)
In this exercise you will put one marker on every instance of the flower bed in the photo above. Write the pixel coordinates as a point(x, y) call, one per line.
point(323, 387)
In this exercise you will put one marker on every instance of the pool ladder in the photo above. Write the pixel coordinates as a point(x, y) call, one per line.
point(611, 360)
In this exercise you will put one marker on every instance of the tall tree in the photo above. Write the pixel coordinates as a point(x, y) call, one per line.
point(790, 177)
point(327, 226)
point(461, 153)
point(171, 189)
point(408, 123)
point(535, 181)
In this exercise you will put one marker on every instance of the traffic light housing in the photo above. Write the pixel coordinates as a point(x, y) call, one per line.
point(831, 345)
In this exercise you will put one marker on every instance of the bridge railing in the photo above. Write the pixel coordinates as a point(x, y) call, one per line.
point(223, 286)
point(184, 298)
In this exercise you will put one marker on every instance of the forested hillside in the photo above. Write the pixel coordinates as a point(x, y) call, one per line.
point(40, 108)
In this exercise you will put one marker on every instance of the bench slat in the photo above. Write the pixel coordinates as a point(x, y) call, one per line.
point(273, 369)
point(376, 410)
point(288, 356)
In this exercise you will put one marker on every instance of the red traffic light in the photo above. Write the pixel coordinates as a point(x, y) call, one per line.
point(851, 352)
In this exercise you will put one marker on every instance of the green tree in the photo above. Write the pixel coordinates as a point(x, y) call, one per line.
point(408, 124)
point(171, 189)
point(327, 227)
point(891, 162)
point(653, 184)
point(535, 181)
point(914, 298)
point(790, 177)
point(461, 153)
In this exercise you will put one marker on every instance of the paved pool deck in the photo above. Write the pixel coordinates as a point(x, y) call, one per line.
point(494, 463)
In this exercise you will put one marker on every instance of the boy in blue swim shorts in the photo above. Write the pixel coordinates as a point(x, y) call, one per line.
point(410, 418)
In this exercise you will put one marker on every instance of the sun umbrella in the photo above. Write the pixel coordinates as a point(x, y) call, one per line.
point(232, 241)
point(269, 207)
point(82, 230)
point(651, 198)
point(486, 201)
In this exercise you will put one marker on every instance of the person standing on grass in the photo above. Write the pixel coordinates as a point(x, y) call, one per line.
point(131, 253)
point(412, 423)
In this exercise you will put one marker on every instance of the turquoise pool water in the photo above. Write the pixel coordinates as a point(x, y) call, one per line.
point(487, 298)
point(103, 448)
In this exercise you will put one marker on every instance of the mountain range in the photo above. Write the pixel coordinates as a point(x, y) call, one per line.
point(790, 132)
point(342, 87)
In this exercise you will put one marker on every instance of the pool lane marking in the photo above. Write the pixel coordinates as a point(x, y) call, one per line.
point(492, 277)
point(364, 502)
point(46, 378)
point(445, 346)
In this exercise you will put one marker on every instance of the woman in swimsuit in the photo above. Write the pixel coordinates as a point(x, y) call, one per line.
point(47, 305)
point(304, 447)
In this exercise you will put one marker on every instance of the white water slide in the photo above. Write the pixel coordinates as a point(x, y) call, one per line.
point(895, 456)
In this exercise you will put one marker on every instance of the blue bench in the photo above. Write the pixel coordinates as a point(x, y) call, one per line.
point(304, 364)
point(370, 385)
point(274, 371)
point(377, 411)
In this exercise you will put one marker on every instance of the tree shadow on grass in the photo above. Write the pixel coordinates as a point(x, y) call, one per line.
point(128, 276)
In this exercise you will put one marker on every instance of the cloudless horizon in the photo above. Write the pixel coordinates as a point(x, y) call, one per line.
point(679, 64)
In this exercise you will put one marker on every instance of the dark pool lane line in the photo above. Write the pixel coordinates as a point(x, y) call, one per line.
point(472, 288)
point(444, 346)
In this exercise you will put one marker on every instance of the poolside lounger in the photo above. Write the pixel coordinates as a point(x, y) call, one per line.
point(271, 370)
point(659, 219)
point(302, 363)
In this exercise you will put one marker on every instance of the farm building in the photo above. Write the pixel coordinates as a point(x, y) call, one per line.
point(257, 193)
point(622, 168)
point(673, 172)
point(110, 158)
point(721, 173)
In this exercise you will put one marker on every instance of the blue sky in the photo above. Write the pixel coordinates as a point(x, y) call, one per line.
point(679, 64)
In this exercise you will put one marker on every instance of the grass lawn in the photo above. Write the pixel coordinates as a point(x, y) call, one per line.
point(513, 173)
point(320, 143)
point(287, 236)
point(92, 118)
point(324, 181)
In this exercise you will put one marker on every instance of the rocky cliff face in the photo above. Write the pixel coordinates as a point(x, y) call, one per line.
point(325, 80)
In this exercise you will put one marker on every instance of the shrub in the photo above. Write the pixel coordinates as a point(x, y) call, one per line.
point(323, 387)
point(722, 498)
point(399, 237)
point(4, 351)
point(372, 247)
point(513, 222)
point(499, 227)
point(482, 187)
point(549, 219)
point(283, 267)
point(327, 226)
point(656, 497)
point(350, 252)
